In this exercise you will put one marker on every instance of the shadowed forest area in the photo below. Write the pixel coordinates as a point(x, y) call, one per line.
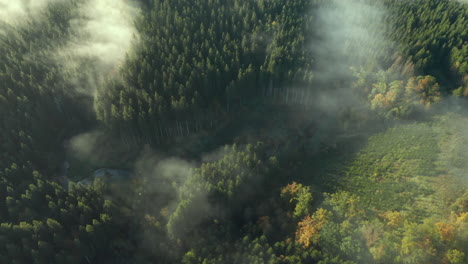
point(237, 131)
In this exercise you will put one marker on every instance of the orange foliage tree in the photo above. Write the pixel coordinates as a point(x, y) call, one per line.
point(308, 230)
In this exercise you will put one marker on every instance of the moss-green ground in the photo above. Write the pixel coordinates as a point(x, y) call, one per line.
point(419, 168)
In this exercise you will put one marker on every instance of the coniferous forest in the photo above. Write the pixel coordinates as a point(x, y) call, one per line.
point(235, 131)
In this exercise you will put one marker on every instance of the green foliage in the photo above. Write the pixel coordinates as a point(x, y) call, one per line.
point(38, 101)
point(432, 34)
point(244, 250)
point(455, 256)
point(47, 222)
point(300, 196)
point(217, 191)
point(197, 68)
point(198, 59)
point(391, 201)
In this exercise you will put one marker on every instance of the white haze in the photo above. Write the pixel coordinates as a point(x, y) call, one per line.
point(101, 32)
point(105, 31)
point(84, 145)
point(162, 174)
point(18, 11)
point(350, 33)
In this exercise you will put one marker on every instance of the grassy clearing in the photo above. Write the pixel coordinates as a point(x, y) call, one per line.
point(387, 174)
point(418, 168)
point(404, 185)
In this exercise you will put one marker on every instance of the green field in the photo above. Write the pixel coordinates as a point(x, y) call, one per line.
point(406, 183)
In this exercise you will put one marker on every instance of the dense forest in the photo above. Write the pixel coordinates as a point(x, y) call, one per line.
point(236, 131)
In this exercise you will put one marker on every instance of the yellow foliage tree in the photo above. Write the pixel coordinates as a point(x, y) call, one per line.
point(393, 218)
point(308, 230)
point(446, 231)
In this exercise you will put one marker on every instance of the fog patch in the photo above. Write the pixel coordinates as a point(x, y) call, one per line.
point(14, 12)
point(102, 34)
point(162, 173)
point(350, 33)
point(84, 145)
point(105, 31)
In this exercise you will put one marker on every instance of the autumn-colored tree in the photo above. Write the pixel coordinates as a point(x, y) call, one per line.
point(299, 196)
point(417, 246)
point(308, 231)
point(446, 231)
point(392, 218)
